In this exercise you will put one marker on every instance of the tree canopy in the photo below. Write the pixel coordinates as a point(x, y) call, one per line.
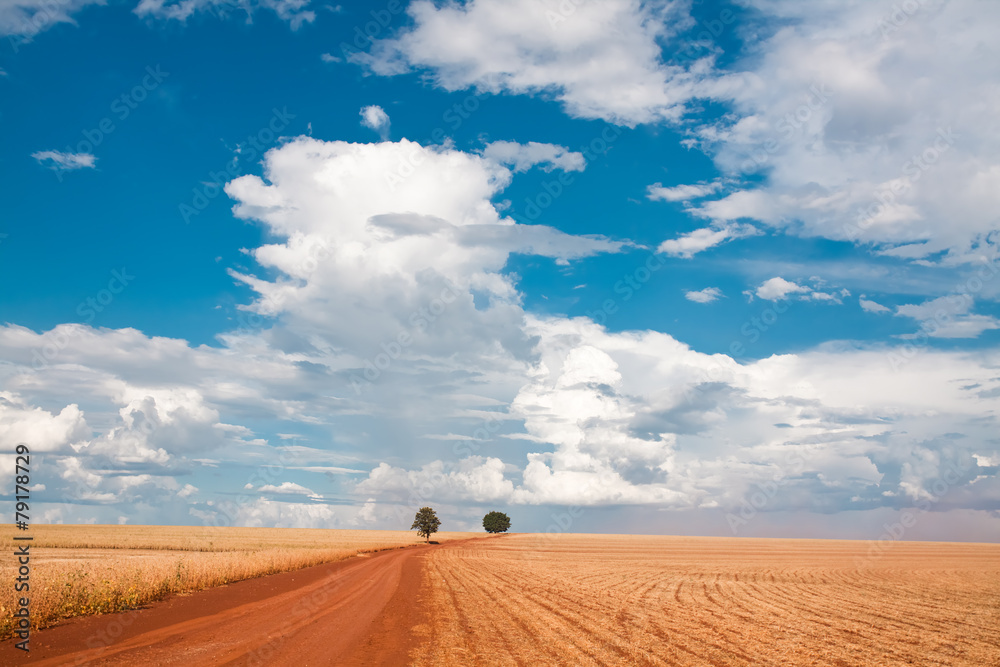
point(496, 522)
point(426, 522)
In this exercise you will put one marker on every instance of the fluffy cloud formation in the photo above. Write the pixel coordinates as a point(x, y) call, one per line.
point(40, 430)
point(387, 326)
point(60, 161)
point(858, 134)
point(777, 288)
point(473, 479)
point(385, 307)
point(390, 263)
point(582, 410)
point(521, 157)
point(639, 418)
point(600, 60)
point(861, 136)
point(375, 118)
point(707, 295)
point(393, 244)
point(125, 417)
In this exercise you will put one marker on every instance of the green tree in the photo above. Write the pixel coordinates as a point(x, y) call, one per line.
point(426, 522)
point(496, 522)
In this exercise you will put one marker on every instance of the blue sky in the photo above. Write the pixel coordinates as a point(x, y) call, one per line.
point(649, 260)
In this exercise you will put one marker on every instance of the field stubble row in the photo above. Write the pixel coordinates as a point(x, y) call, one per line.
point(638, 600)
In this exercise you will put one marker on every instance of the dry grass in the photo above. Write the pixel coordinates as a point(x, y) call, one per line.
point(637, 600)
point(81, 570)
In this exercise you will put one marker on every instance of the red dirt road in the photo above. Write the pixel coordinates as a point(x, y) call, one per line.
point(355, 612)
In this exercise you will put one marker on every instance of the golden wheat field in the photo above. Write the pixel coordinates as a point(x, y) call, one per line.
point(637, 600)
point(80, 570)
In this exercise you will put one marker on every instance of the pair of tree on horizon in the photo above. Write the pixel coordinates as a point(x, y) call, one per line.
point(427, 522)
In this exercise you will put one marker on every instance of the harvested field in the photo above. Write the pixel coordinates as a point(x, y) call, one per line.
point(83, 570)
point(638, 600)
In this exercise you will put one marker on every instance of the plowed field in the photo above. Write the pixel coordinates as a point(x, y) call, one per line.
point(636, 600)
point(572, 600)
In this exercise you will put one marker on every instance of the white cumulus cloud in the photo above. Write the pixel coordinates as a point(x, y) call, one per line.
point(707, 295)
point(375, 118)
point(600, 59)
point(848, 131)
point(858, 135)
point(778, 288)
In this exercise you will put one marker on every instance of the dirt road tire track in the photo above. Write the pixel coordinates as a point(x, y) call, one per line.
point(357, 612)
